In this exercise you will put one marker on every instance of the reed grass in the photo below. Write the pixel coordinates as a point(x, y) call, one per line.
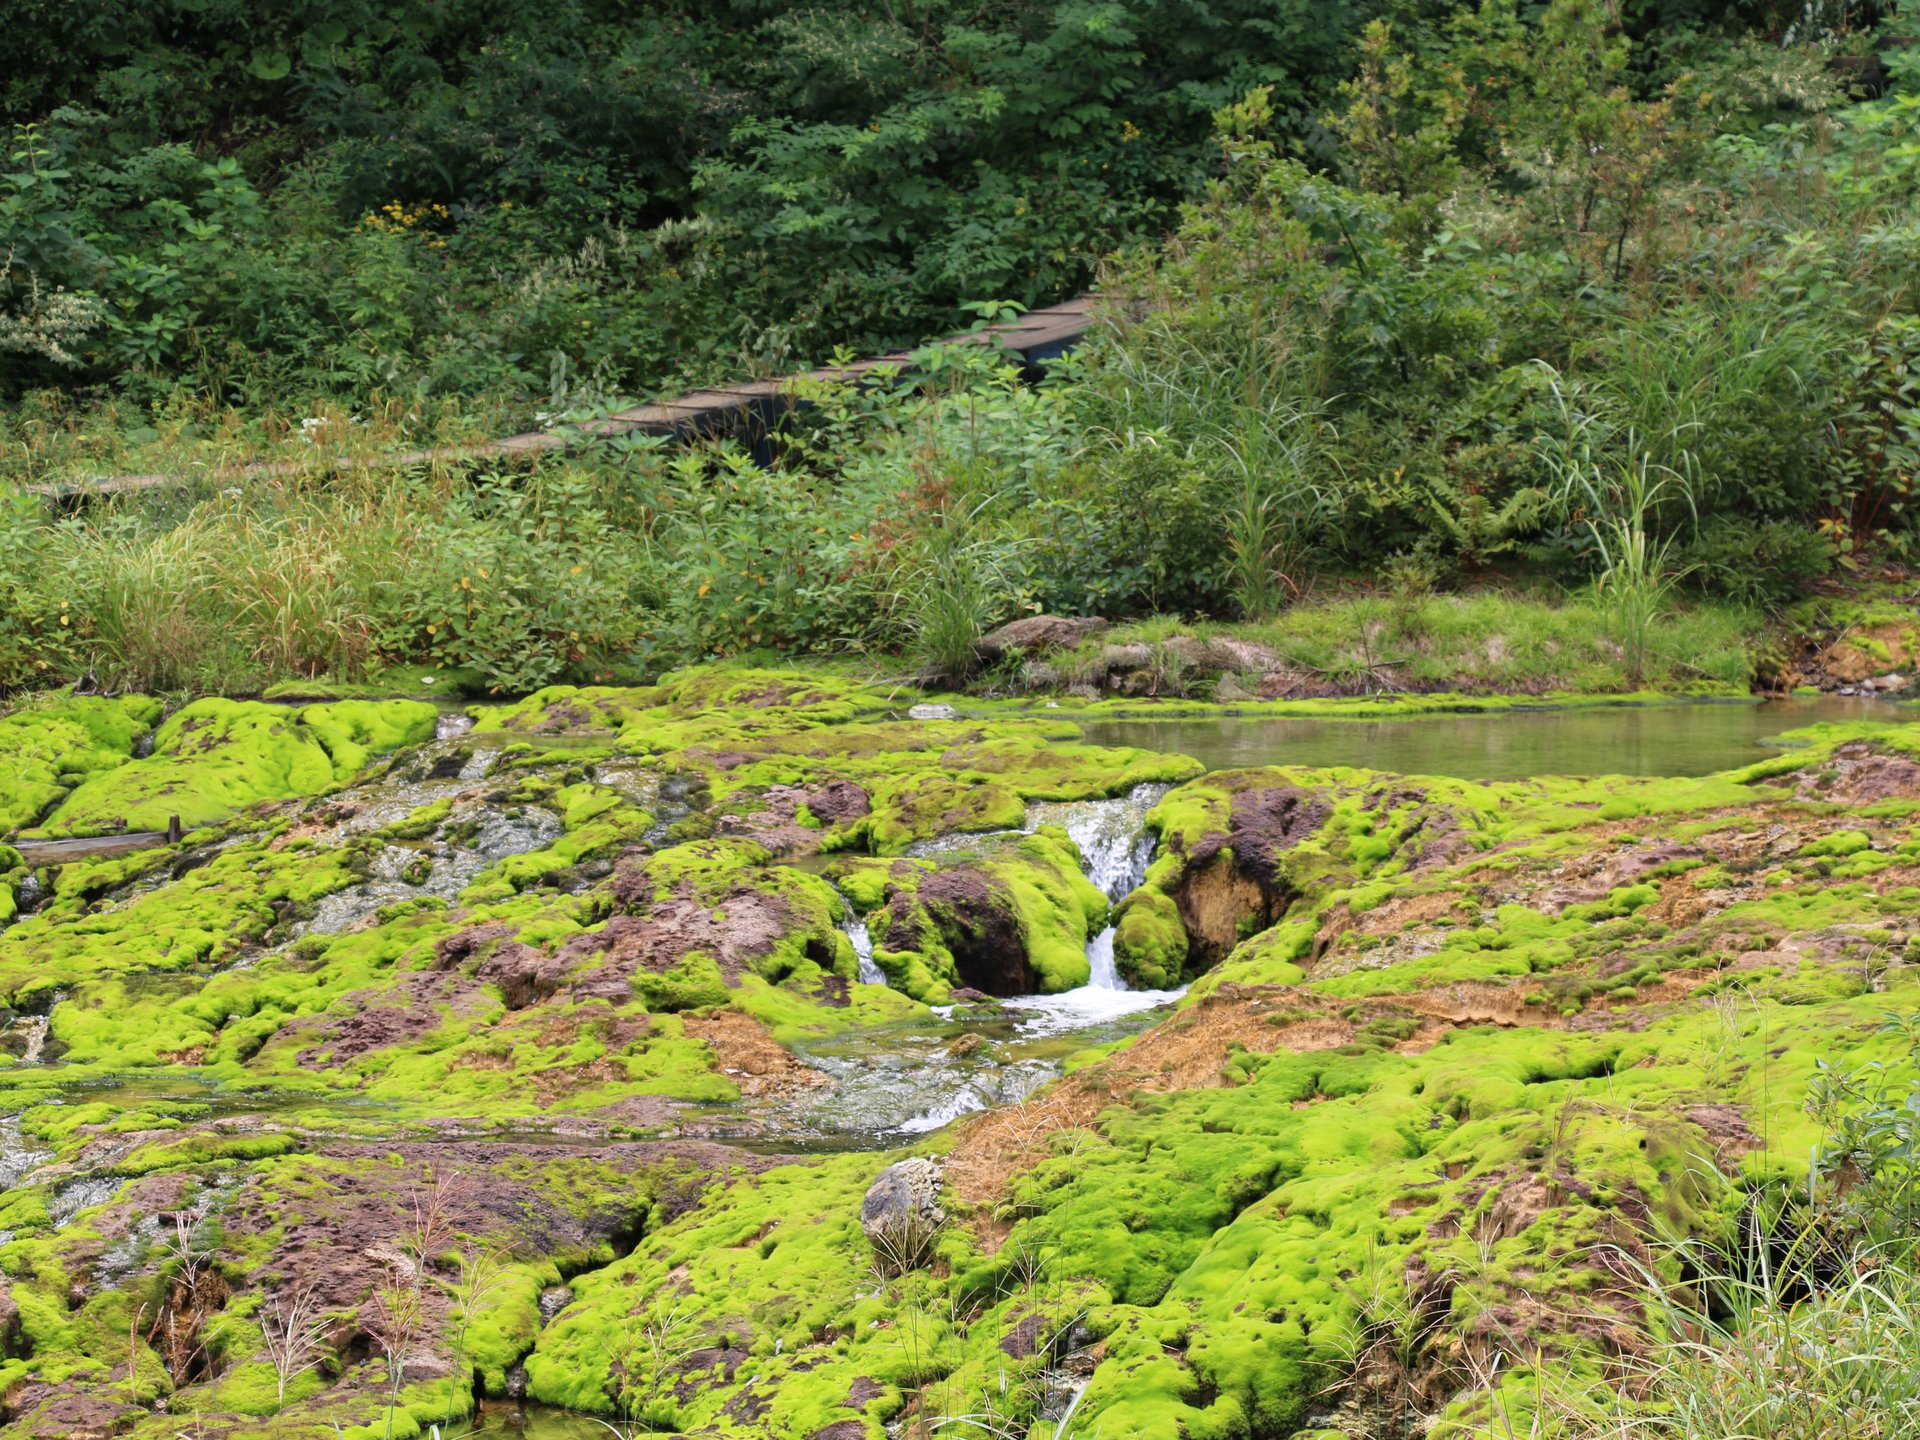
point(1744, 1352)
point(335, 576)
point(51, 436)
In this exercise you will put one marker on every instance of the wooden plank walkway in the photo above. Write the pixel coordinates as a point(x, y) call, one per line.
point(100, 847)
point(751, 409)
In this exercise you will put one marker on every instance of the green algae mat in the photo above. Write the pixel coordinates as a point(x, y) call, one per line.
point(447, 1060)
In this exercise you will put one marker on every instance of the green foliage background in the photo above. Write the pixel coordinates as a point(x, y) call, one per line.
point(489, 197)
point(1561, 297)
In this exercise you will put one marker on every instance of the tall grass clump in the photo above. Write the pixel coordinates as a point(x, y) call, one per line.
point(1271, 520)
point(516, 580)
point(955, 586)
point(1736, 395)
point(1621, 501)
point(1801, 1321)
point(1745, 1351)
point(1841, 1364)
point(1238, 402)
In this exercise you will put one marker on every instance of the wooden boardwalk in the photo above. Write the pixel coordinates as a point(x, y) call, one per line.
point(102, 847)
point(753, 411)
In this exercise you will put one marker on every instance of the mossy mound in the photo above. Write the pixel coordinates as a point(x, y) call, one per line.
point(767, 748)
point(1005, 915)
point(45, 752)
point(214, 758)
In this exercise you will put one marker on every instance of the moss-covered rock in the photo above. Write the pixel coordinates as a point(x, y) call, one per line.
point(1454, 1051)
point(216, 757)
point(46, 751)
point(1005, 915)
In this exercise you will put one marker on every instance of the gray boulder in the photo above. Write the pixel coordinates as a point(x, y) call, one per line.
point(902, 1216)
point(1037, 634)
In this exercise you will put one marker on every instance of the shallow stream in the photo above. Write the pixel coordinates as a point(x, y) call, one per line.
point(1673, 739)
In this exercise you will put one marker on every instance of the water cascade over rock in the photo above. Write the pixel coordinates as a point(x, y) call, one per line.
point(855, 926)
point(1115, 850)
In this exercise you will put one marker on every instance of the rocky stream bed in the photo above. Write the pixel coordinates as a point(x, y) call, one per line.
point(550, 1052)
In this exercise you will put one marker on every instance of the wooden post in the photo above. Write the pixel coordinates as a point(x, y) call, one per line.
point(173, 830)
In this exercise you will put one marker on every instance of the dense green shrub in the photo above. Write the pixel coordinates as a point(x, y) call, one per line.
point(764, 560)
point(1134, 532)
point(1522, 268)
point(1764, 562)
point(523, 581)
point(36, 638)
point(1411, 338)
point(544, 203)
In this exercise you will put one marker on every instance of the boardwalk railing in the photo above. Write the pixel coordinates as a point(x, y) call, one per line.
point(753, 409)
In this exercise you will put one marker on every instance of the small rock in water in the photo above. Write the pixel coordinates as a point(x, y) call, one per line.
point(940, 711)
point(901, 1214)
point(965, 1045)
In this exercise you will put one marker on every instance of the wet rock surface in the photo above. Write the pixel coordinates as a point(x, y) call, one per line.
point(1037, 634)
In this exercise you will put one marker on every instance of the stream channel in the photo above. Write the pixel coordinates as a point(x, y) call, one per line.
point(894, 1083)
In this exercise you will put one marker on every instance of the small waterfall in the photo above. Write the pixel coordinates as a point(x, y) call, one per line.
point(36, 1039)
point(1115, 845)
point(870, 973)
point(77, 1195)
point(1115, 850)
point(1101, 972)
point(855, 929)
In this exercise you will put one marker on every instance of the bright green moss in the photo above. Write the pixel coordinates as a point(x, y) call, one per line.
point(204, 917)
point(919, 808)
point(44, 752)
point(1840, 843)
point(1000, 905)
point(1221, 1240)
point(1149, 940)
point(216, 757)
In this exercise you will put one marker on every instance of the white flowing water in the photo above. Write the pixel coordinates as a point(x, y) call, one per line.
point(1115, 844)
point(910, 1080)
point(36, 1039)
point(856, 928)
point(1115, 850)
